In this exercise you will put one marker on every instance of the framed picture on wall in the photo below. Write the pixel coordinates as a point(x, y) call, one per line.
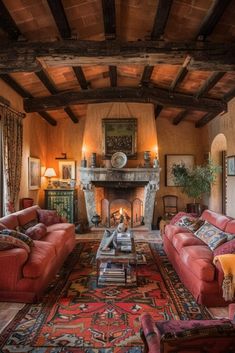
point(119, 135)
point(171, 159)
point(34, 173)
point(67, 169)
point(231, 165)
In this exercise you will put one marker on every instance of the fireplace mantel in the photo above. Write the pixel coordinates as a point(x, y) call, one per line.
point(120, 178)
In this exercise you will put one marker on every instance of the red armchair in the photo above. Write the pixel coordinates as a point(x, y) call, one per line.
point(197, 336)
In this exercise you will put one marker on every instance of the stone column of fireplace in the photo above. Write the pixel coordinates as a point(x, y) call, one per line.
point(147, 177)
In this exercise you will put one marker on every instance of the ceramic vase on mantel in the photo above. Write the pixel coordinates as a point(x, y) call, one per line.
point(93, 160)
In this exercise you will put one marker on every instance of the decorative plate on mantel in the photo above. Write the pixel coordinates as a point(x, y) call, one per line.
point(118, 160)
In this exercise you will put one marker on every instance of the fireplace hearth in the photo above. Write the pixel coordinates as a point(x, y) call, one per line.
point(117, 194)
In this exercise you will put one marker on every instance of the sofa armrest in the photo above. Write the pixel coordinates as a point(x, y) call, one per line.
point(11, 265)
point(149, 334)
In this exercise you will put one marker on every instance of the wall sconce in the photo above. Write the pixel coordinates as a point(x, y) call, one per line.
point(49, 173)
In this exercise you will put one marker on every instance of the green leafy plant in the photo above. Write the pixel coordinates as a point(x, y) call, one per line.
point(197, 181)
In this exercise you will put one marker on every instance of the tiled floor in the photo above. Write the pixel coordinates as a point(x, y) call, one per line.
point(9, 310)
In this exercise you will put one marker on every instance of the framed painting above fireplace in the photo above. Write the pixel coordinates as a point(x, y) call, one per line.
point(119, 135)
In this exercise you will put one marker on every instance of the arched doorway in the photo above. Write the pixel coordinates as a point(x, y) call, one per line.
point(217, 200)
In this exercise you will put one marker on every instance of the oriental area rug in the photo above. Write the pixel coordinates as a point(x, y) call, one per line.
point(75, 316)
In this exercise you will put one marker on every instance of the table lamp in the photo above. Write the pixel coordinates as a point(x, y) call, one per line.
point(49, 173)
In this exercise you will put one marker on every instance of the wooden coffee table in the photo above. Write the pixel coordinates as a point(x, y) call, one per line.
point(116, 268)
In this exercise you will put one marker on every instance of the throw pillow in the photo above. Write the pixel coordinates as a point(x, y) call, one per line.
point(191, 223)
point(37, 232)
point(226, 248)
point(211, 235)
point(23, 237)
point(48, 217)
point(8, 242)
point(30, 224)
point(180, 215)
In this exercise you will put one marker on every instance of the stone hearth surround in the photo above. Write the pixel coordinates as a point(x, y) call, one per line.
point(146, 177)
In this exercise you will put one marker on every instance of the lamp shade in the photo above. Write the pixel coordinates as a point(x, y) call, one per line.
point(50, 172)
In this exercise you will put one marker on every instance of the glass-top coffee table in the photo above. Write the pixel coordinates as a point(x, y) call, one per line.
point(115, 267)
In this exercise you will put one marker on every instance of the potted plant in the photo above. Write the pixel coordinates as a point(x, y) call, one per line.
point(195, 182)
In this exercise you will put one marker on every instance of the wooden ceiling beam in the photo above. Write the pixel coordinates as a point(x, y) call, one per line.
point(229, 95)
point(24, 56)
point(7, 23)
point(213, 16)
point(57, 10)
point(206, 118)
point(25, 94)
point(146, 76)
point(161, 18)
point(109, 18)
point(80, 77)
point(52, 89)
point(157, 110)
point(179, 117)
point(113, 75)
point(209, 83)
point(124, 94)
point(180, 74)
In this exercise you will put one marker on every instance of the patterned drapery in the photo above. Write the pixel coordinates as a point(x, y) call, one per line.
point(12, 145)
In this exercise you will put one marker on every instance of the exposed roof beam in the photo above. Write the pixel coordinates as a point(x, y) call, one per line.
point(179, 117)
point(60, 18)
point(157, 110)
point(180, 74)
point(113, 75)
point(130, 94)
point(146, 76)
point(80, 77)
point(213, 16)
point(229, 95)
point(161, 18)
point(206, 118)
point(7, 23)
point(52, 89)
point(204, 55)
point(25, 94)
point(209, 83)
point(109, 17)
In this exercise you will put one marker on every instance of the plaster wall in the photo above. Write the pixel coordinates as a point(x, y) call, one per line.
point(225, 124)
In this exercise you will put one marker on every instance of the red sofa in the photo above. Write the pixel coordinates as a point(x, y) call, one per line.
point(25, 276)
point(209, 336)
point(193, 259)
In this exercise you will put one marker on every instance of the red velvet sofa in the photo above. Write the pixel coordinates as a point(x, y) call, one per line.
point(193, 259)
point(25, 276)
point(176, 336)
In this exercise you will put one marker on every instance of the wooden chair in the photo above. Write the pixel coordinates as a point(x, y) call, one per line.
point(170, 205)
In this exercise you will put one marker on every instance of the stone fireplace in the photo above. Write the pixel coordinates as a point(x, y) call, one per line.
point(117, 194)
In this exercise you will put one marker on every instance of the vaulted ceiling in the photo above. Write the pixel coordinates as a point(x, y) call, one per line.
point(61, 55)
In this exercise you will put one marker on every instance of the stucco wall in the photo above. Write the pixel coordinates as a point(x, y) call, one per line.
point(225, 124)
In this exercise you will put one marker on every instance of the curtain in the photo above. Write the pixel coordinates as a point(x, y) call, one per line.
point(12, 145)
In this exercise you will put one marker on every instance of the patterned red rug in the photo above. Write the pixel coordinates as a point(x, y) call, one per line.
point(75, 316)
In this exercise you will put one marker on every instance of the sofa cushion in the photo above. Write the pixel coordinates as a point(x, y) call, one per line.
point(211, 235)
point(189, 222)
point(42, 254)
point(226, 248)
point(18, 235)
point(48, 217)
point(58, 239)
point(171, 230)
point(8, 242)
point(10, 221)
point(69, 228)
point(218, 220)
point(37, 232)
point(27, 215)
point(2, 226)
point(199, 258)
point(230, 227)
point(185, 239)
